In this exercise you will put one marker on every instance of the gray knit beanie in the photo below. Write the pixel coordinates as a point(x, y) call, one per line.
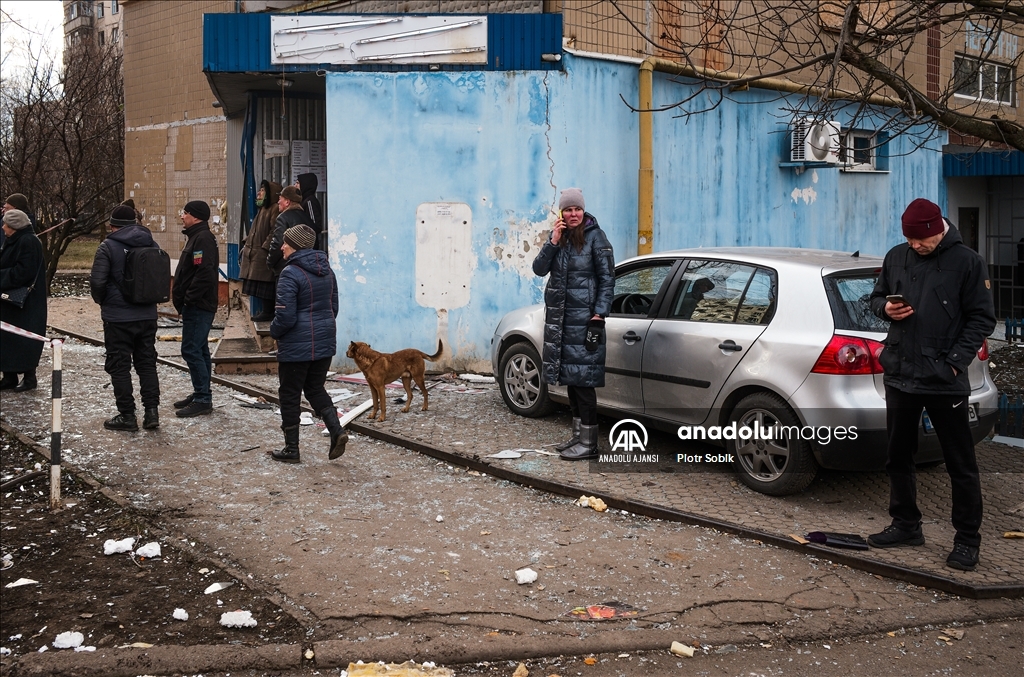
point(571, 197)
point(15, 219)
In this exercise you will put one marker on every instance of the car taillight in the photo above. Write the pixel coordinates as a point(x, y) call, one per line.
point(983, 351)
point(849, 355)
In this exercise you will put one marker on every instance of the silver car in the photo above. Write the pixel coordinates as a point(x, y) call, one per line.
point(778, 337)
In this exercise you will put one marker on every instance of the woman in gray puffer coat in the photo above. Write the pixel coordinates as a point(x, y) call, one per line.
point(581, 267)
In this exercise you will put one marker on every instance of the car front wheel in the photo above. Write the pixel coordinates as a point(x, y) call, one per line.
point(521, 382)
point(769, 461)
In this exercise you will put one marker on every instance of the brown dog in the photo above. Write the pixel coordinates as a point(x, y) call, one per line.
point(379, 369)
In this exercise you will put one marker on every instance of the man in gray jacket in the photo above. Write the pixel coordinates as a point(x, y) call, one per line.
point(934, 291)
point(129, 329)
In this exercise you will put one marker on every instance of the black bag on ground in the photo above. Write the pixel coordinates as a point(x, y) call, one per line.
point(147, 276)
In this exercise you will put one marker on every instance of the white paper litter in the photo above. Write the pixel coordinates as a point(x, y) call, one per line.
point(112, 547)
point(68, 640)
point(85, 648)
point(244, 398)
point(524, 576)
point(476, 378)
point(507, 453)
point(180, 614)
point(20, 582)
point(439, 518)
point(306, 418)
point(217, 587)
point(237, 619)
point(149, 550)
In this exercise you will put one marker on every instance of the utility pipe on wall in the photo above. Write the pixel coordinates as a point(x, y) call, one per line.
point(645, 180)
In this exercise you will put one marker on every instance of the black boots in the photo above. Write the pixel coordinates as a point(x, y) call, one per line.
point(27, 383)
point(562, 446)
point(338, 436)
point(9, 381)
point(123, 421)
point(290, 453)
point(181, 404)
point(151, 419)
point(586, 448)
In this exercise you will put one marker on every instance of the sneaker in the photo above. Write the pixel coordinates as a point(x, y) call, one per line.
point(893, 536)
point(151, 419)
point(181, 404)
point(964, 557)
point(195, 409)
point(122, 422)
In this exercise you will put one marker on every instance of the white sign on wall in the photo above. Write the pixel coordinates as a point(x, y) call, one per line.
point(444, 254)
point(378, 39)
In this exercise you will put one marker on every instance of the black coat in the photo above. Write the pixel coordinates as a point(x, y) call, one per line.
point(196, 279)
point(580, 286)
point(21, 265)
point(293, 216)
point(310, 204)
point(306, 308)
point(108, 275)
point(953, 314)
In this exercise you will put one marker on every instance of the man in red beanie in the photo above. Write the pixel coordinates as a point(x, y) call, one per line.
point(944, 316)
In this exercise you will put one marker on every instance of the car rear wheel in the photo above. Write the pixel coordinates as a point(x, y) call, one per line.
point(521, 382)
point(776, 466)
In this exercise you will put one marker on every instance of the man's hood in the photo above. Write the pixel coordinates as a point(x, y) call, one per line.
point(312, 261)
point(307, 185)
point(133, 236)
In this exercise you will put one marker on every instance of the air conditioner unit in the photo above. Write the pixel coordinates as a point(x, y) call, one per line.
point(814, 141)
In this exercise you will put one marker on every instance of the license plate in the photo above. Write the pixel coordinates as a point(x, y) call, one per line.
point(929, 429)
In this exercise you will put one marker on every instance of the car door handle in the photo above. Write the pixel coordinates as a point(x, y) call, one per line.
point(631, 337)
point(730, 345)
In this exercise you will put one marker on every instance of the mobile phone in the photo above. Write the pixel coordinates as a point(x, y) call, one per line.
point(896, 298)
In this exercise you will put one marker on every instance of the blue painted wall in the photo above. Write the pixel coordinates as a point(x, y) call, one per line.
point(505, 142)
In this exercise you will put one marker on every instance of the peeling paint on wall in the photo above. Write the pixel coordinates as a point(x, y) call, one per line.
point(344, 244)
point(515, 247)
point(808, 195)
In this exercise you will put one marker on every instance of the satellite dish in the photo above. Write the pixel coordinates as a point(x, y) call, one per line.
point(820, 139)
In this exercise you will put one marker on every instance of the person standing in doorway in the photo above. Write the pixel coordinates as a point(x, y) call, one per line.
point(195, 299)
point(935, 293)
point(129, 329)
point(257, 278)
point(580, 265)
point(308, 184)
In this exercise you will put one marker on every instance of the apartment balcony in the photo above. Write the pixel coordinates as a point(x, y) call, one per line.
point(82, 21)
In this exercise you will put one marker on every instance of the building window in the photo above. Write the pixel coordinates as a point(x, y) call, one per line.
point(101, 38)
point(113, 7)
point(864, 151)
point(99, 10)
point(114, 35)
point(984, 80)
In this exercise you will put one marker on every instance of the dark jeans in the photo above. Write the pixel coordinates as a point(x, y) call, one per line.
point(195, 350)
point(127, 343)
point(583, 403)
point(297, 378)
point(948, 413)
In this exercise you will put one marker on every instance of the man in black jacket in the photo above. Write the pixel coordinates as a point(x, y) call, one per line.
point(129, 329)
point(289, 204)
point(307, 185)
point(195, 298)
point(935, 292)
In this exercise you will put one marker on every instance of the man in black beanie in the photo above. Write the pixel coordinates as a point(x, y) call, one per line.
point(129, 329)
point(195, 299)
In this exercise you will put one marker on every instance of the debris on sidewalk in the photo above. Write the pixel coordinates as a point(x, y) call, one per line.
point(506, 453)
point(439, 518)
point(68, 640)
point(524, 576)
point(604, 611)
point(1013, 534)
point(149, 550)
point(217, 587)
point(180, 615)
point(20, 582)
point(955, 633)
point(112, 547)
point(476, 378)
point(305, 418)
point(521, 671)
point(680, 649)
point(834, 540)
point(237, 619)
point(592, 502)
point(406, 669)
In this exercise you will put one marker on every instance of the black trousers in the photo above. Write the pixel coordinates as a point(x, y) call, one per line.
point(948, 413)
point(583, 403)
point(296, 378)
point(129, 343)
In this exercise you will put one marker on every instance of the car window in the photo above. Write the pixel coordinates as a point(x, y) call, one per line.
point(635, 289)
point(849, 297)
point(721, 291)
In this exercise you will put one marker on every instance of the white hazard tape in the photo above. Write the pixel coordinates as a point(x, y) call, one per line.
point(21, 332)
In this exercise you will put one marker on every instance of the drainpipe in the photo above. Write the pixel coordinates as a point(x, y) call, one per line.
point(645, 183)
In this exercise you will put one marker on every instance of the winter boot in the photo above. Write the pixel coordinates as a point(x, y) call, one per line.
point(586, 448)
point(562, 446)
point(151, 419)
point(181, 404)
point(338, 437)
point(124, 421)
point(290, 453)
point(9, 381)
point(27, 383)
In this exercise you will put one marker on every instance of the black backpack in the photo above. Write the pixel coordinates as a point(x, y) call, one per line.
point(147, 276)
